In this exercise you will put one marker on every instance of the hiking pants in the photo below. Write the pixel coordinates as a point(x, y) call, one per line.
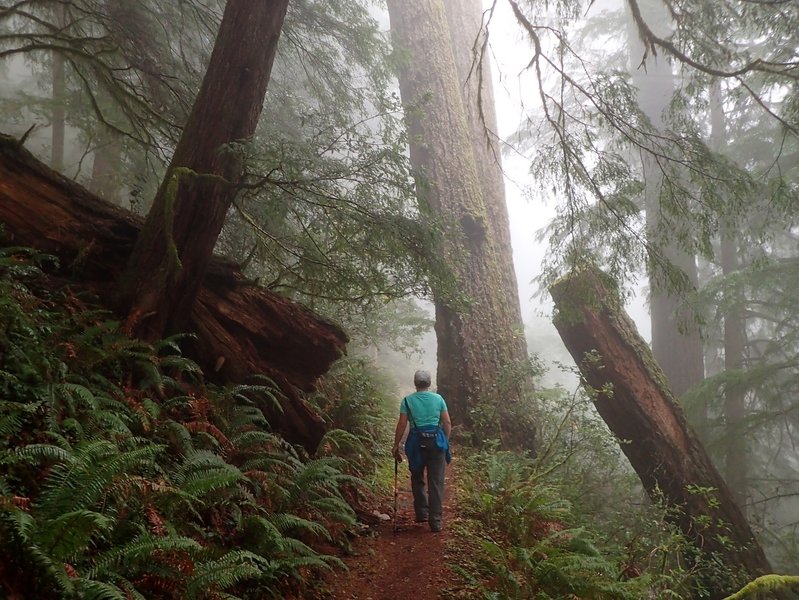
point(428, 505)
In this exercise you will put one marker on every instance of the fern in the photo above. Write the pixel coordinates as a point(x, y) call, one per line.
point(243, 394)
point(141, 480)
point(136, 554)
point(256, 438)
point(178, 436)
point(285, 523)
point(45, 452)
point(202, 482)
point(19, 530)
point(90, 589)
point(227, 571)
point(14, 416)
point(204, 471)
point(85, 478)
point(70, 533)
point(539, 555)
point(335, 509)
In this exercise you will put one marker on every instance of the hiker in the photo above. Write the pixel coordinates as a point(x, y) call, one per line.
point(427, 447)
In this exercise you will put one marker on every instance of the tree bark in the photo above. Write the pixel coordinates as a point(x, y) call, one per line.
point(634, 400)
point(59, 99)
point(736, 454)
point(479, 375)
point(242, 329)
point(467, 39)
point(170, 258)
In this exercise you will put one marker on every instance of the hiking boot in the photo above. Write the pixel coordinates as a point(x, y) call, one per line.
point(419, 519)
point(435, 527)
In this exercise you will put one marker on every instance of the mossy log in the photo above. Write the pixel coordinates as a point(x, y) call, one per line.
point(633, 398)
point(241, 329)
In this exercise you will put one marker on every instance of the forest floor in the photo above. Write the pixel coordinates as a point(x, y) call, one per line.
point(409, 562)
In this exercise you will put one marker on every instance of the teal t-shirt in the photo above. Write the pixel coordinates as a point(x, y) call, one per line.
point(426, 408)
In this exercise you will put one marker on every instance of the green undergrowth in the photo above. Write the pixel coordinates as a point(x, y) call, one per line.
point(124, 474)
point(528, 543)
point(570, 523)
point(359, 402)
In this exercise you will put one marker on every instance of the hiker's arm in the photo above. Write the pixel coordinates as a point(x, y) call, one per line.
point(401, 425)
point(446, 424)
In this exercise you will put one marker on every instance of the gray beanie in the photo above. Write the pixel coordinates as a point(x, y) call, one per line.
point(421, 379)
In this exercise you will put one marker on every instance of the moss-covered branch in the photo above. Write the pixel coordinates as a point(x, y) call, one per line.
point(766, 583)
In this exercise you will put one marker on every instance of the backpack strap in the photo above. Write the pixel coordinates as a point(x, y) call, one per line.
point(410, 414)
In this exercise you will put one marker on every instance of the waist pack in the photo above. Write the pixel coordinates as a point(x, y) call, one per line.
point(427, 440)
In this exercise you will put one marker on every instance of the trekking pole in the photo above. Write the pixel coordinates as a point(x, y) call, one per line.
point(396, 493)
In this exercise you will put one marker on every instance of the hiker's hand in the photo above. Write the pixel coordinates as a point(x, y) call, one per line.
point(396, 452)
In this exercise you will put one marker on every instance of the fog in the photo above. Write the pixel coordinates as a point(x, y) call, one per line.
point(664, 155)
point(531, 206)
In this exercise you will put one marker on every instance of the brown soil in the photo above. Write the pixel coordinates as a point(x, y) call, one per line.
point(403, 559)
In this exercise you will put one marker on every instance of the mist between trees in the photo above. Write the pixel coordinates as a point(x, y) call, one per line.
point(349, 157)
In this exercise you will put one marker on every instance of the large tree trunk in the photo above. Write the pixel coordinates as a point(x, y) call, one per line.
point(480, 371)
point(467, 39)
point(634, 400)
point(171, 255)
point(676, 342)
point(736, 454)
point(242, 329)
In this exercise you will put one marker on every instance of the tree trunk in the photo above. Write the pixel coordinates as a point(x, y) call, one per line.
point(735, 457)
point(634, 400)
point(242, 329)
point(467, 36)
point(480, 372)
point(107, 161)
point(171, 255)
point(676, 342)
point(59, 99)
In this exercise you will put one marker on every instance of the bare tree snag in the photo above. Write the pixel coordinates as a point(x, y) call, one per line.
point(242, 329)
point(634, 400)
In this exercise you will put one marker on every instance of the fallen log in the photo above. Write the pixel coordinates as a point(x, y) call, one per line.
point(634, 400)
point(241, 329)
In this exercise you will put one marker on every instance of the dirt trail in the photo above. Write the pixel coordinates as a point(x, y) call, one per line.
point(411, 563)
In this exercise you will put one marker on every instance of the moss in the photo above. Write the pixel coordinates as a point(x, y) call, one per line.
point(588, 287)
point(764, 584)
point(169, 200)
point(585, 286)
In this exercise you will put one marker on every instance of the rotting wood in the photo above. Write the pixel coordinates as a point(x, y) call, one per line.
point(634, 400)
point(241, 329)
